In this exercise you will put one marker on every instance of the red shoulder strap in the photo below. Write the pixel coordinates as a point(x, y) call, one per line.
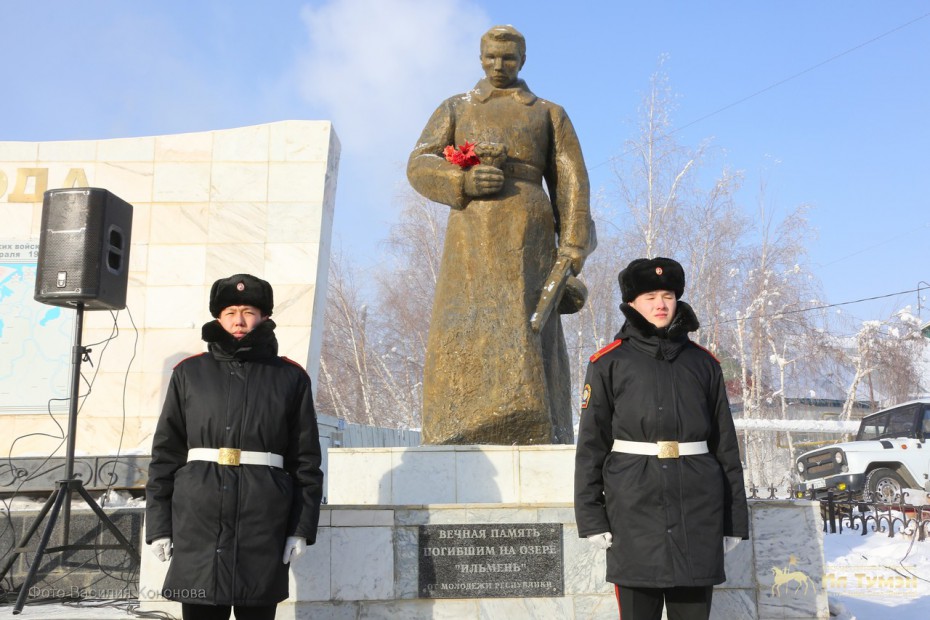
point(290, 361)
point(706, 351)
point(189, 357)
point(613, 345)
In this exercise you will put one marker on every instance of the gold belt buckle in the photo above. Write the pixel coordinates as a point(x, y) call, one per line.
point(668, 449)
point(229, 456)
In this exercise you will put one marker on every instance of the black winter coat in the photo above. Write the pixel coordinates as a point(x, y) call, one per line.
point(229, 524)
point(667, 516)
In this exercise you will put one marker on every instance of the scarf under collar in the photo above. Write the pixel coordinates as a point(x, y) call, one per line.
point(661, 343)
point(259, 343)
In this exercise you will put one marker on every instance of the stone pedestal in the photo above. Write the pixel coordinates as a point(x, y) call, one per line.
point(524, 475)
point(366, 560)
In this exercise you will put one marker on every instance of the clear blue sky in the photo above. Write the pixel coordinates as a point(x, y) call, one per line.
point(848, 137)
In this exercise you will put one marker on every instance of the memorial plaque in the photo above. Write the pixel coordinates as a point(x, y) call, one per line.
point(491, 560)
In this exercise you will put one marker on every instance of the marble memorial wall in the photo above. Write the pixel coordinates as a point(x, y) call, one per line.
point(206, 205)
point(368, 562)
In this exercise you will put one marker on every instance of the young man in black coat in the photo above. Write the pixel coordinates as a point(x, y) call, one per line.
point(658, 479)
point(235, 484)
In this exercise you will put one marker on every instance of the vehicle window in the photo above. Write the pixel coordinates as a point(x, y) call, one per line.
point(925, 425)
point(895, 423)
point(902, 423)
point(873, 427)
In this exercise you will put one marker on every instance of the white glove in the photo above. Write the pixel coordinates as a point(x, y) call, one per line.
point(294, 546)
point(161, 547)
point(729, 543)
point(602, 541)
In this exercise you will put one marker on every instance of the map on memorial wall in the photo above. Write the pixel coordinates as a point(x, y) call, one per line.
point(35, 338)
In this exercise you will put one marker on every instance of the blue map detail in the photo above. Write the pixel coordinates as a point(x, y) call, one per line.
point(35, 341)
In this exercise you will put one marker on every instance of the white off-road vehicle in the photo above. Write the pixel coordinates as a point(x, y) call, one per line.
point(890, 453)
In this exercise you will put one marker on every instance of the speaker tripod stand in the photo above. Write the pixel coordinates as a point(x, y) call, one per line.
point(61, 498)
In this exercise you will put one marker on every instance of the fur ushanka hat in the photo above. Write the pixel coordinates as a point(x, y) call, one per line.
point(651, 274)
point(241, 289)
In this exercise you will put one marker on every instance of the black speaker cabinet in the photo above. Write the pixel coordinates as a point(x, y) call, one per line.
point(84, 249)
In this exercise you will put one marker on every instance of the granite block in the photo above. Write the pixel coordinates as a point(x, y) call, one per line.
point(242, 144)
point(177, 265)
point(513, 513)
point(739, 567)
point(547, 475)
point(406, 562)
point(126, 149)
point(585, 565)
point(348, 517)
point(237, 222)
point(289, 263)
point(243, 182)
point(26, 152)
point(296, 182)
point(70, 150)
point(594, 607)
point(333, 610)
point(410, 486)
point(493, 609)
point(175, 307)
point(131, 181)
point(359, 477)
point(362, 564)
point(246, 257)
point(176, 224)
point(417, 610)
point(181, 182)
point(310, 578)
point(293, 222)
point(305, 141)
point(730, 604)
point(486, 476)
point(185, 147)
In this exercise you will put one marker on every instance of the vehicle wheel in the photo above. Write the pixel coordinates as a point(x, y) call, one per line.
point(884, 485)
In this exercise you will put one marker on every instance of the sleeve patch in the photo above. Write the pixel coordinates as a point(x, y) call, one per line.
point(585, 396)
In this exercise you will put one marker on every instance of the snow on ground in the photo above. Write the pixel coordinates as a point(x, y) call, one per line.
point(877, 577)
point(115, 499)
point(837, 427)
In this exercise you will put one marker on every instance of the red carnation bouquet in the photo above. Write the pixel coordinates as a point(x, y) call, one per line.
point(463, 156)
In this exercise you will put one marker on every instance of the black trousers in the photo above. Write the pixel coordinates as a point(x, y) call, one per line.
point(680, 603)
point(191, 611)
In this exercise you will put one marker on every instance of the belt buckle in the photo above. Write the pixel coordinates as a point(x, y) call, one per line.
point(229, 456)
point(667, 449)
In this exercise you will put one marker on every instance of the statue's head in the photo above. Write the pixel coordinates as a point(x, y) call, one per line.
point(503, 52)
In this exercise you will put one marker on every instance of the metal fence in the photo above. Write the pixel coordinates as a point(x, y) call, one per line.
point(845, 511)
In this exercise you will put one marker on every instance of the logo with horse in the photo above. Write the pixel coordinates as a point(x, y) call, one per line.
point(785, 577)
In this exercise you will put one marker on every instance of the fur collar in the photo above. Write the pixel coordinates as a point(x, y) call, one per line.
point(661, 343)
point(260, 343)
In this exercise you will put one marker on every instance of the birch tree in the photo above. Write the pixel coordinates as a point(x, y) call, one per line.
point(769, 327)
point(885, 362)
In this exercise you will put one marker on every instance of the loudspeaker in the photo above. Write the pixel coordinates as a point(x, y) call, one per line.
point(84, 249)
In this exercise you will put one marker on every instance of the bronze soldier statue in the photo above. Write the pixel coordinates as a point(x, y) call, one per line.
point(490, 378)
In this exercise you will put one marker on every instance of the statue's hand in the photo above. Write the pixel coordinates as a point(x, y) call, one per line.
point(575, 254)
point(491, 153)
point(483, 180)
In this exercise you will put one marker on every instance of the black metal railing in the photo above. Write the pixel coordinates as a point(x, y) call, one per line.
point(861, 512)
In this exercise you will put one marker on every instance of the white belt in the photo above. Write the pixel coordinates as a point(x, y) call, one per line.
point(661, 449)
point(234, 457)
